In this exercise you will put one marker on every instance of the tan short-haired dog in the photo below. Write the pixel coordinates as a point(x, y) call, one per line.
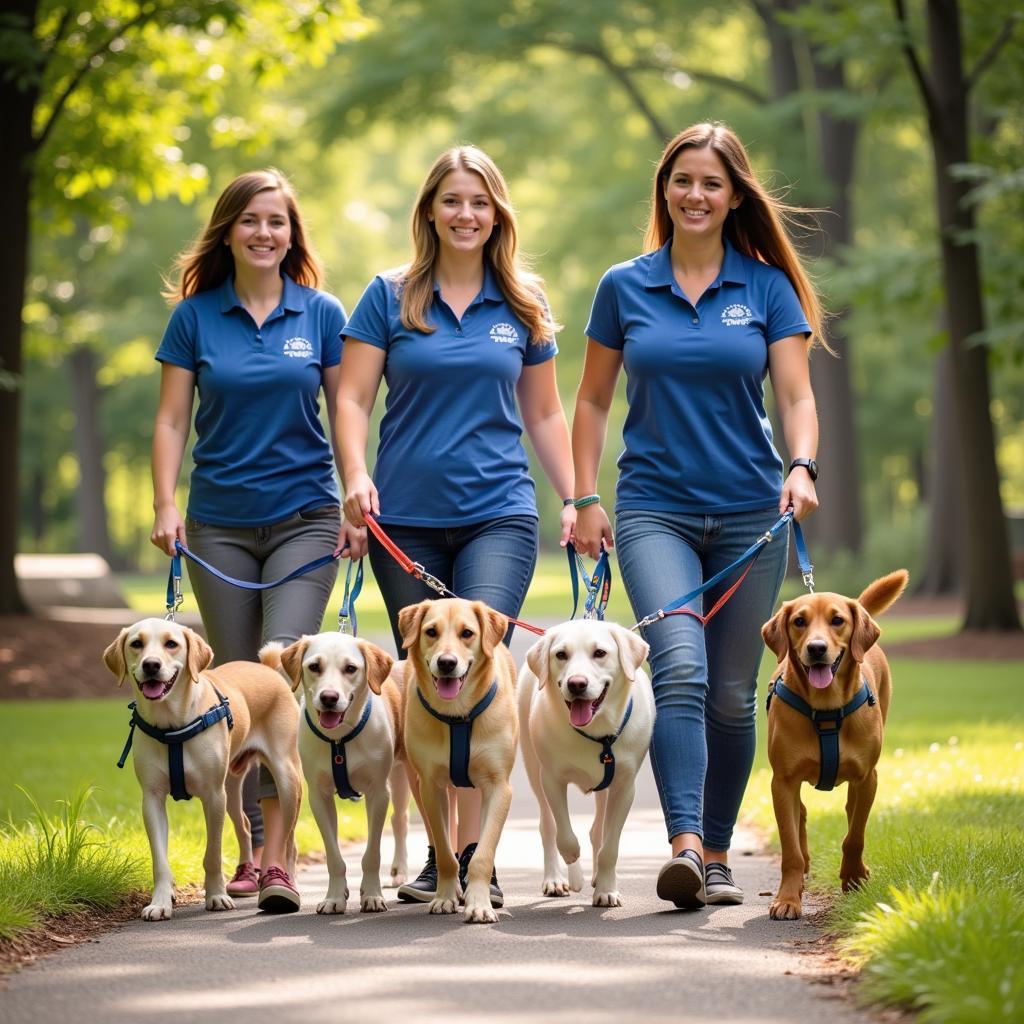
point(168, 665)
point(455, 655)
point(354, 704)
point(825, 721)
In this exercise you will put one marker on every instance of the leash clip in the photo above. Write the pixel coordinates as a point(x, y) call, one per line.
point(649, 620)
point(344, 625)
point(175, 605)
point(429, 579)
point(808, 578)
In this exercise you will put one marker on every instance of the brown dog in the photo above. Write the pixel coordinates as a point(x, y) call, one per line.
point(168, 666)
point(826, 646)
point(455, 654)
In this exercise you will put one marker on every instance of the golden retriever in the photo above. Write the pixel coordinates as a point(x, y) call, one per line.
point(168, 665)
point(827, 649)
point(455, 654)
point(580, 678)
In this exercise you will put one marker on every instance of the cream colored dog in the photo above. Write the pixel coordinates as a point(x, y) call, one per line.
point(455, 654)
point(168, 665)
point(340, 677)
point(573, 693)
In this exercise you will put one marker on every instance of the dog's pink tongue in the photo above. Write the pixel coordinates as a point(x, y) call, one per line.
point(448, 686)
point(820, 676)
point(581, 712)
point(153, 689)
point(330, 719)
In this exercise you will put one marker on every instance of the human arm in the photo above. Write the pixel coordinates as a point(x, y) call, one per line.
point(789, 369)
point(589, 426)
point(362, 366)
point(170, 435)
point(352, 536)
point(544, 420)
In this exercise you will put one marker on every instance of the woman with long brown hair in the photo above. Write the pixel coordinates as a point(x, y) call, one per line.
point(717, 302)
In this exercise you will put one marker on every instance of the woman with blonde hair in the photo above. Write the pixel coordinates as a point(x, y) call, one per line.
point(257, 341)
point(717, 302)
point(464, 339)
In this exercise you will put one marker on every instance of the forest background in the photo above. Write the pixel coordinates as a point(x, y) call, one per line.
point(902, 123)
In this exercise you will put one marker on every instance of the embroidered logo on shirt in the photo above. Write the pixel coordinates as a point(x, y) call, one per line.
point(298, 348)
point(737, 315)
point(504, 334)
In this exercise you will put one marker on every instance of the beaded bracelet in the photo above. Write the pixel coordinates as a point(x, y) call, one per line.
point(590, 499)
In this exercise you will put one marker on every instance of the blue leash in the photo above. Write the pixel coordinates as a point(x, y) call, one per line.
point(347, 611)
point(598, 585)
point(803, 559)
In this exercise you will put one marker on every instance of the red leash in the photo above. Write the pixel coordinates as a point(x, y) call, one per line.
point(420, 572)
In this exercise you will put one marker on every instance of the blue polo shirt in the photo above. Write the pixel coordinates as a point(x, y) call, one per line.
point(697, 438)
point(260, 454)
point(450, 450)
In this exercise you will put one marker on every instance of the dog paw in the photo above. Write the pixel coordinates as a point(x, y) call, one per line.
point(330, 906)
point(372, 905)
point(443, 906)
point(480, 913)
point(398, 877)
point(555, 887)
point(854, 879)
point(575, 877)
point(219, 901)
point(156, 912)
point(784, 910)
point(607, 899)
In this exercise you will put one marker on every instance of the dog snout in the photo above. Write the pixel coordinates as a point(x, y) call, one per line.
point(151, 667)
point(329, 698)
point(817, 649)
point(447, 664)
point(577, 685)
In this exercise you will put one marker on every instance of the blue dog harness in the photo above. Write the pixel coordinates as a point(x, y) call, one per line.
point(607, 758)
point(338, 767)
point(827, 723)
point(175, 740)
point(459, 730)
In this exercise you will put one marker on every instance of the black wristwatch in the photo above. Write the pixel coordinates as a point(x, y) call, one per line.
point(809, 464)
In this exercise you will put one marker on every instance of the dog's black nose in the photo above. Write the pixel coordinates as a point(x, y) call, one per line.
point(577, 685)
point(151, 666)
point(328, 698)
point(818, 650)
point(447, 664)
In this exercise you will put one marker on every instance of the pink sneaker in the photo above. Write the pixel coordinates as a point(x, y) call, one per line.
point(278, 894)
point(246, 880)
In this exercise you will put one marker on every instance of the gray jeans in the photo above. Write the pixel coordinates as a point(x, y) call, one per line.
point(239, 622)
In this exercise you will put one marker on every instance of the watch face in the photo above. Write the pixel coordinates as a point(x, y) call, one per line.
point(812, 468)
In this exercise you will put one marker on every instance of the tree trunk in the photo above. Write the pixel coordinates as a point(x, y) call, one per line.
point(90, 497)
point(16, 105)
point(990, 599)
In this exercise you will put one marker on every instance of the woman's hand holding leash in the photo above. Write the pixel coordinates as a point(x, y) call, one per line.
point(168, 527)
point(593, 530)
point(354, 537)
point(798, 491)
point(360, 498)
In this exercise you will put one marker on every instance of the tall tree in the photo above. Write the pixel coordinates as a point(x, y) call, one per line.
point(945, 88)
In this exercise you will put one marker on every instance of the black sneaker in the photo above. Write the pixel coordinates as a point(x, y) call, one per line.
point(497, 896)
point(681, 881)
point(423, 888)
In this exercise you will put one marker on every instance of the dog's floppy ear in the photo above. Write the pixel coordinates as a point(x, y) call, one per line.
point(200, 654)
point(378, 664)
point(409, 620)
point(113, 657)
point(865, 632)
point(493, 627)
point(291, 660)
point(632, 650)
point(775, 633)
point(538, 658)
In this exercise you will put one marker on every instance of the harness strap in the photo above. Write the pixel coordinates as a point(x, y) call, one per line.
point(339, 770)
point(607, 758)
point(827, 723)
point(459, 731)
point(175, 739)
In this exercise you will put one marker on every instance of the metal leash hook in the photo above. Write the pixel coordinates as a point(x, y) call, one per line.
point(429, 579)
point(174, 594)
point(347, 622)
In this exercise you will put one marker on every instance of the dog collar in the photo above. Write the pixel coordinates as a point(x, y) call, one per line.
point(459, 731)
point(607, 758)
point(338, 767)
point(175, 739)
point(827, 723)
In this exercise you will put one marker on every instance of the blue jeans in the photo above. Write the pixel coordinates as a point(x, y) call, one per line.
point(705, 679)
point(492, 561)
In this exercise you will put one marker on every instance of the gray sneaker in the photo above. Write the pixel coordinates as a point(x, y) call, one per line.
point(681, 881)
point(719, 884)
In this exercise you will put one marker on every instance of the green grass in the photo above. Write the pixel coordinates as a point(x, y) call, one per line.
point(940, 924)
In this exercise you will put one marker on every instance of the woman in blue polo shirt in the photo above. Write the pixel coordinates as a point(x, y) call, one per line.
point(465, 340)
point(718, 301)
point(258, 342)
